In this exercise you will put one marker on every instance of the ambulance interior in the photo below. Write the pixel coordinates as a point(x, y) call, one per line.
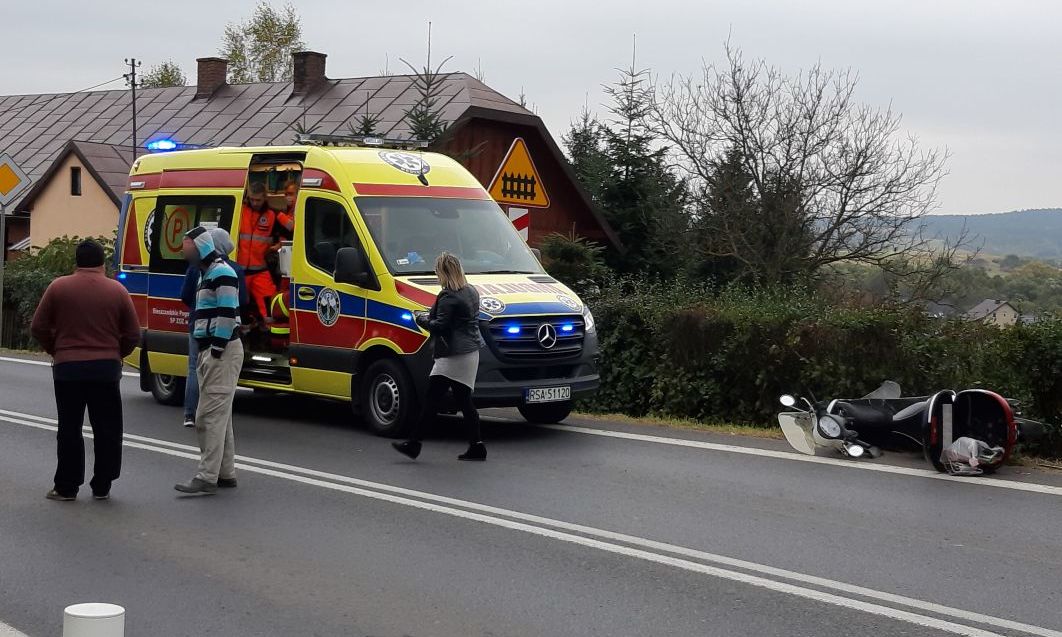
point(267, 338)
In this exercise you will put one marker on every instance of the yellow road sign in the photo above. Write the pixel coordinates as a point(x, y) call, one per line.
point(517, 180)
point(12, 179)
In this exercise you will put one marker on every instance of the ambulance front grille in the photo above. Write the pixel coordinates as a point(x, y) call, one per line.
point(519, 339)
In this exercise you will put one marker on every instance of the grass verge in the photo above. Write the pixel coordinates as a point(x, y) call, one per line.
point(772, 433)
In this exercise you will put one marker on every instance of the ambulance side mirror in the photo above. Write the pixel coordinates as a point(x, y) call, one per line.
point(352, 267)
point(537, 253)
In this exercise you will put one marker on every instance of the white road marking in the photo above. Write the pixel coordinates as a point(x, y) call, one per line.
point(1032, 487)
point(30, 361)
point(9, 631)
point(519, 521)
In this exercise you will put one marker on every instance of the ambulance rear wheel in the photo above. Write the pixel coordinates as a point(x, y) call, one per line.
point(388, 398)
point(167, 389)
point(546, 413)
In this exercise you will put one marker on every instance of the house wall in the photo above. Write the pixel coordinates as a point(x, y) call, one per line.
point(566, 213)
point(1005, 315)
point(56, 212)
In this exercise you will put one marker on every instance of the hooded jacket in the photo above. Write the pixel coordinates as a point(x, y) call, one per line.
point(454, 322)
point(223, 245)
point(217, 301)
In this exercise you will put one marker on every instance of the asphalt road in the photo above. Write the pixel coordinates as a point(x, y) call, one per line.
point(598, 529)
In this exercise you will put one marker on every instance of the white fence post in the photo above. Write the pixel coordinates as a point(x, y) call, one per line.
point(94, 620)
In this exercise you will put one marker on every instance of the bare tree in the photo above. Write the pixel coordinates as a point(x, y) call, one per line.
point(829, 180)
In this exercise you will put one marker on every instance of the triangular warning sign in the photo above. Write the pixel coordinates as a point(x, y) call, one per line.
point(517, 180)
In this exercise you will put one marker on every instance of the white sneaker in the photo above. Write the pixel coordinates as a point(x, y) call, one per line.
point(188, 422)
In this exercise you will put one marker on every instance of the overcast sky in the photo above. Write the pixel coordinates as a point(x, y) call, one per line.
point(980, 78)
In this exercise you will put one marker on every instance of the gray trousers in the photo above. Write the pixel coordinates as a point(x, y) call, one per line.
point(213, 416)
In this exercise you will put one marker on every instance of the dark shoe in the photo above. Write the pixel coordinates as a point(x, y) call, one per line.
point(226, 483)
point(196, 486)
point(476, 451)
point(59, 497)
point(189, 423)
point(409, 448)
point(101, 496)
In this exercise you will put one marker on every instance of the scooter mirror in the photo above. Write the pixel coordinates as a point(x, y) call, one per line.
point(787, 400)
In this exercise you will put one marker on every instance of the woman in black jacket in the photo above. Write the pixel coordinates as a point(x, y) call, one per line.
point(453, 322)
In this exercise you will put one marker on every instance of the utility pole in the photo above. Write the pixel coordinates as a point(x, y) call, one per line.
point(130, 79)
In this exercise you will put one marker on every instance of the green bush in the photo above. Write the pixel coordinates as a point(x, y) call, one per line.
point(26, 279)
point(686, 351)
point(573, 260)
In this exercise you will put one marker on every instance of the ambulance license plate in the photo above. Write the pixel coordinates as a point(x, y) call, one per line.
point(547, 394)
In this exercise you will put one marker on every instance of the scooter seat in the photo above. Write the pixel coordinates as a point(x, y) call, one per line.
point(865, 415)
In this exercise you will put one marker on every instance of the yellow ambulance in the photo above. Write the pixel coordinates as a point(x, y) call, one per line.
point(370, 216)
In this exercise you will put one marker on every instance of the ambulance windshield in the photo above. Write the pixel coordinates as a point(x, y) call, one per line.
point(411, 231)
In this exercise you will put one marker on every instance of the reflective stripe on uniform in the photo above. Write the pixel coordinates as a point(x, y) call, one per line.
point(255, 237)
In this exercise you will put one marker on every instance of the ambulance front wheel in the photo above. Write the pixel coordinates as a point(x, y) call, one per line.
point(388, 398)
point(545, 413)
point(167, 389)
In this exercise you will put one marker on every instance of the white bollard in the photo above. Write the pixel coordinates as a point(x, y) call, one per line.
point(94, 620)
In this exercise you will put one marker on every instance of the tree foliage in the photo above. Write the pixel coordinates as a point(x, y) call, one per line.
point(259, 49)
point(424, 118)
point(27, 277)
point(829, 180)
point(164, 75)
point(573, 260)
point(625, 169)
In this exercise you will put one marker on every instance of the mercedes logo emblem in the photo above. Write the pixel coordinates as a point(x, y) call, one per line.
point(547, 336)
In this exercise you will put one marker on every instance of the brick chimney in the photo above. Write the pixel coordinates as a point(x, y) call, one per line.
point(308, 71)
point(210, 76)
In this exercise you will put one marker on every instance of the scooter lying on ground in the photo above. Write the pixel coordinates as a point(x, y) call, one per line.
point(970, 432)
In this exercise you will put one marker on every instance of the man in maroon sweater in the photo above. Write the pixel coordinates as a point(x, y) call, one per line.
point(87, 322)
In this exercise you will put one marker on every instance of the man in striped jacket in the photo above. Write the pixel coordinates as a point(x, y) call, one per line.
point(220, 357)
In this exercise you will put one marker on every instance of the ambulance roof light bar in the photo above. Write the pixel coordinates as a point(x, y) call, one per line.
point(373, 141)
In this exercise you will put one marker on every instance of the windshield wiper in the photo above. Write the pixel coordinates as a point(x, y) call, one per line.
point(505, 272)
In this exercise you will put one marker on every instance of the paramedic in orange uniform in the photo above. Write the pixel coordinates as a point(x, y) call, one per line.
point(291, 193)
point(260, 231)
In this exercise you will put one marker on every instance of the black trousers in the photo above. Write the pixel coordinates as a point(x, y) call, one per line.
point(104, 402)
point(437, 386)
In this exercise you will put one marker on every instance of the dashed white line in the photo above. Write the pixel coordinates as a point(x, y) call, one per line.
point(604, 540)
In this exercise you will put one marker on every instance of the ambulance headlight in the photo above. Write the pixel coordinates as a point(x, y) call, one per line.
point(588, 321)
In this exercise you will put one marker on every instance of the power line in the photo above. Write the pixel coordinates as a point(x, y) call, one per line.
point(120, 77)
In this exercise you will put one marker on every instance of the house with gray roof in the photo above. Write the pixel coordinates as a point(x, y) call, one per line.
point(75, 142)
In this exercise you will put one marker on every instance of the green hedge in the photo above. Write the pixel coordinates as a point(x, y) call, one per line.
point(684, 351)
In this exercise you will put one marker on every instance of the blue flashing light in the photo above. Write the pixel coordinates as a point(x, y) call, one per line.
point(512, 329)
point(161, 144)
point(406, 316)
point(567, 327)
point(122, 276)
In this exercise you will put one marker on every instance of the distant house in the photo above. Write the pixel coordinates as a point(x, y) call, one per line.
point(940, 310)
point(994, 312)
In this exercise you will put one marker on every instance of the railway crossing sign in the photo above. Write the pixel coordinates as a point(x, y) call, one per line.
point(517, 181)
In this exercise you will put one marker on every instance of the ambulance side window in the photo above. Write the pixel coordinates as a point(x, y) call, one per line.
point(174, 216)
point(327, 228)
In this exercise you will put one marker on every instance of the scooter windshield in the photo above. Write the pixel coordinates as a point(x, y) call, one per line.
point(797, 427)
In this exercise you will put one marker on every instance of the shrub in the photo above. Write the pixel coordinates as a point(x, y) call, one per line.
point(687, 351)
point(28, 277)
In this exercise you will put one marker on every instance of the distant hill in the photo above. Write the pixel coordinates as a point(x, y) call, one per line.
point(1026, 233)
